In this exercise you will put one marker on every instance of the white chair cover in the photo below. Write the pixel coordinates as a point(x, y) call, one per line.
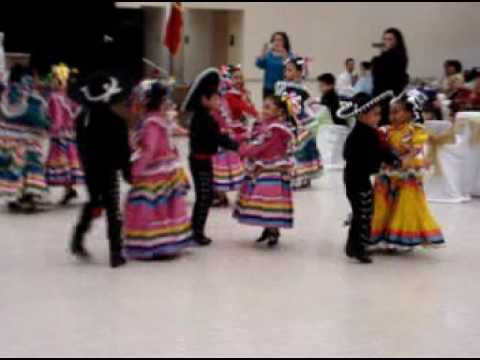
point(331, 141)
point(450, 185)
point(472, 172)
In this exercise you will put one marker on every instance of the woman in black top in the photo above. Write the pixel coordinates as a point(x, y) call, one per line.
point(390, 68)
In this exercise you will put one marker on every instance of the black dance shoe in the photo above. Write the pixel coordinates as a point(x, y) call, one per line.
point(80, 253)
point(264, 237)
point(364, 259)
point(117, 260)
point(69, 197)
point(203, 241)
point(273, 238)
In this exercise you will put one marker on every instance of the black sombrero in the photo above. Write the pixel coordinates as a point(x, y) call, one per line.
point(353, 109)
point(205, 82)
point(102, 88)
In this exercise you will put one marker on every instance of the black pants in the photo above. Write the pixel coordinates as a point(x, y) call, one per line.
point(104, 193)
point(361, 200)
point(202, 173)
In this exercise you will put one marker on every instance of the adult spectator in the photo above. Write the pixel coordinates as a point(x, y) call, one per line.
point(365, 80)
point(272, 61)
point(347, 80)
point(390, 68)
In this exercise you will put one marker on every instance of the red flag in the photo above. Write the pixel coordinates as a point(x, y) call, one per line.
point(173, 34)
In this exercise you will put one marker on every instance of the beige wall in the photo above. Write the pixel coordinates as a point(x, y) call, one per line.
point(330, 32)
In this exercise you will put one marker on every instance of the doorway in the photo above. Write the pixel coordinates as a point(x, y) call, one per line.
point(212, 38)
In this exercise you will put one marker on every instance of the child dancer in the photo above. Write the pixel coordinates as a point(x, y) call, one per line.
point(402, 217)
point(156, 220)
point(265, 198)
point(239, 100)
point(364, 153)
point(228, 168)
point(104, 151)
point(308, 163)
point(203, 100)
point(63, 164)
point(24, 113)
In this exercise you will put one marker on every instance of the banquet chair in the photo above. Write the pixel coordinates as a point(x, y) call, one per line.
point(331, 141)
point(472, 172)
point(448, 183)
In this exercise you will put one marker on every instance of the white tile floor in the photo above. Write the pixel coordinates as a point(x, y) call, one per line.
point(304, 299)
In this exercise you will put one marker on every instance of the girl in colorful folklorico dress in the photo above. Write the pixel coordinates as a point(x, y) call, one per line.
point(24, 115)
point(63, 164)
point(228, 168)
point(308, 162)
point(157, 224)
point(266, 199)
point(402, 219)
point(239, 103)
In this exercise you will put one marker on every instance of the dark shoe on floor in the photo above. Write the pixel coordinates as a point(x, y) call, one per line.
point(364, 259)
point(203, 241)
point(264, 237)
point(273, 238)
point(69, 197)
point(273, 241)
point(221, 201)
point(14, 206)
point(117, 260)
point(80, 253)
point(78, 250)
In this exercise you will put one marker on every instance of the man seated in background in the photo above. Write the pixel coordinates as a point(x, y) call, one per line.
point(365, 81)
point(347, 80)
point(330, 97)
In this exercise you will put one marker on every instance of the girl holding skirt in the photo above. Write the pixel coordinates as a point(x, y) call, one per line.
point(308, 160)
point(157, 224)
point(265, 198)
point(63, 164)
point(402, 218)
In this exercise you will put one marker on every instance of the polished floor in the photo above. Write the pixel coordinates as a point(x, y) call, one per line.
point(236, 299)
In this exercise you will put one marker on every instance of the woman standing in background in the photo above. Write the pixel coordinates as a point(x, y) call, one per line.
point(390, 68)
point(272, 61)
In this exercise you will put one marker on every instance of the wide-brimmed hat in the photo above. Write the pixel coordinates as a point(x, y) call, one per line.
point(102, 88)
point(353, 109)
point(207, 81)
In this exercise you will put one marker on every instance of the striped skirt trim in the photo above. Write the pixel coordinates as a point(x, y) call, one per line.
point(266, 201)
point(228, 171)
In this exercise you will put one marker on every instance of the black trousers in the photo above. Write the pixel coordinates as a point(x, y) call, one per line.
point(104, 193)
point(202, 173)
point(361, 201)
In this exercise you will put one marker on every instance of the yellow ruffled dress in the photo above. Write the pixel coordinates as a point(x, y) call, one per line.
point(402, 217)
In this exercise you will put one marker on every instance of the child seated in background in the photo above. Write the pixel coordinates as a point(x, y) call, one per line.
point(330, 97)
